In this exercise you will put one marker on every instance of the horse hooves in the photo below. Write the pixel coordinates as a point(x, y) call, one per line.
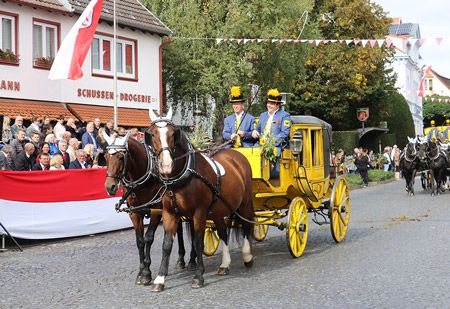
point(191, 266)
point(223, 271)
point(249, 264)
point(143, 279)
point(157, 287)
point(180, 265)
point(197, 283)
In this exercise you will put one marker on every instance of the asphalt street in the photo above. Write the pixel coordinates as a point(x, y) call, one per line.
point(396, 255)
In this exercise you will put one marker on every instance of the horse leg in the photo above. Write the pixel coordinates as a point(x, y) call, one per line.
point(138, 225)
point(246, 211)
point(224, 268)
point(170, 229)
point(146, 277)
point(181, 250)
point(432, 179)
point(192, 265)
point(413, 180)
point(199, 233)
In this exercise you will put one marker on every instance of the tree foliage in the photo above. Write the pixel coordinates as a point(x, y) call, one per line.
point(203, 71)
point(339, 78)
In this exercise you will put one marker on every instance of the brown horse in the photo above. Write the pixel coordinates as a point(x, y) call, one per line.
point(195, 190)
point(129, 163)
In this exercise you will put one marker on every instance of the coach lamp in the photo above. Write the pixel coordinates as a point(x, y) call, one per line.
point(296, 143)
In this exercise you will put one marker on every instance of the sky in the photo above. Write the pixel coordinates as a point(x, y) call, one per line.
point(433, 17)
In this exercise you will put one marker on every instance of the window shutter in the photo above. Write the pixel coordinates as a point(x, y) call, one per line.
point(129, 59)
point(106, 55)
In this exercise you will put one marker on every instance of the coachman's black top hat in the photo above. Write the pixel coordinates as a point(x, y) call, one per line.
point(236, 96)
point(273, 95)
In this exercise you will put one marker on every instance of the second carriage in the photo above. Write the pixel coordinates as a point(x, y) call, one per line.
point(307, 184)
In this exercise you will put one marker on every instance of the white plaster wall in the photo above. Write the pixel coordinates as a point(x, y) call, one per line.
point(35, 84)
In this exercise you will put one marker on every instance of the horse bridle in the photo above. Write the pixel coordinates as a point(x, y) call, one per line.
point(176, 139)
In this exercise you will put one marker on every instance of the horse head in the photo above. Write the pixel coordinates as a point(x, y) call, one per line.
point(164, 137)
point(422, 149)
point(115, 161)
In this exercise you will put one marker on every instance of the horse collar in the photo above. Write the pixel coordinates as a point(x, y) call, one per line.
point(184, 175)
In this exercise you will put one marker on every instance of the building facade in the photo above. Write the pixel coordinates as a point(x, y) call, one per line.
point(31, 32)
point(407, 67)
point(435, 84)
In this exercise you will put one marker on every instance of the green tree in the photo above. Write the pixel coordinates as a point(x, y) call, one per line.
point(203, 71)
point(400, 121)
point(437, 111)
point(339, 78)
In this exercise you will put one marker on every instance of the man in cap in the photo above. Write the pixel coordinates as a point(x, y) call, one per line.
point(434, 134)
point(239, 125)
point(447, 131)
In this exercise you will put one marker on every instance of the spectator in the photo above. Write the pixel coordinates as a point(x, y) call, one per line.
point(18, 143)
point(62, 150)
point(80, 162)
point(387, 158)
point(121, 131)
point(24, 160)
point(51, 140)
point(7, 134)
point(340, 159)
point(59, 128)
point(72, 127)
point(35, 141)
point(5, 158)
point(395, 158)
point(100, 158)
point(134, 133)
point(74, 145)
point(46, 130)
point(57, 163)
point(109, 127)
point(34, 127)
point(362, 165)
point(97, 126)
point(45, 122)
point(89, 151)
point(45, 149)
point(43, 164)
point(67, 136)
point(88, 138)
point(18, 124)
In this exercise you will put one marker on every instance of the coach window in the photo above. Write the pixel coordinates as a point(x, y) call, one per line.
point(102, 54)
point(8, 30)
point(45, 43)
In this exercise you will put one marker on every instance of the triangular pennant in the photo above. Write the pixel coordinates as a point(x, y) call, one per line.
point(304, 41)
point(356, 41)
point(246, 40)
point(364, 42)
point(317, 42)
point(239, 41)
point(380, 43)
point(259, 40)
point(297, 41)
point(325, 41)
point(274, 40)
point(311, 41)
point(439, 40)
point(422, 41)
point(289, 40)
point(218, 41)
point(388, 42)
point(372, 43)
point(348, 41)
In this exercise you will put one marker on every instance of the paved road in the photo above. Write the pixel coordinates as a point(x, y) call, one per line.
point(396, 255)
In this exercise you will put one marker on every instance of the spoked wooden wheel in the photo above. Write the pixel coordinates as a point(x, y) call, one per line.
point(210, 241)
point(297, 228)
point(260, 230)
point(339, 209)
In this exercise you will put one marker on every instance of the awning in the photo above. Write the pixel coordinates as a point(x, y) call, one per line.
point(27, 109)
point(127, 117)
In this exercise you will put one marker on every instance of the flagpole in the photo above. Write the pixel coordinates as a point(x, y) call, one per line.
point(115, 64)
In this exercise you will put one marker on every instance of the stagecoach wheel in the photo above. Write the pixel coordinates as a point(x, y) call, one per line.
point(260, 230)
point(297, 228)
point(339, 209)
point(210, 241)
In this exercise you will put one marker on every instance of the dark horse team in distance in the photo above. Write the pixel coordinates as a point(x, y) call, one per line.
point(168, 173)
point(428, 157)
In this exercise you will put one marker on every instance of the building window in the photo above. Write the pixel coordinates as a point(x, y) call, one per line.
point(45, 42)
point(8, 44)
point(102, 56)
point(430, 84)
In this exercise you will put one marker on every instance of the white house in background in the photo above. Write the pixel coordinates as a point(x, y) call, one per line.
point(407, 66)
point(31, 32)
point(436, 84)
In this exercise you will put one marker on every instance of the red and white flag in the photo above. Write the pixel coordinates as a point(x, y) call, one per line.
point(73, 51)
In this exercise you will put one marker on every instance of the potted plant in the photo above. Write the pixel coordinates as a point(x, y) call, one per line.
point(8, 56)
point(43, 62)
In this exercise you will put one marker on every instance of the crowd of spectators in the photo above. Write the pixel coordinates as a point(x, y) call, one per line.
point(42, 146)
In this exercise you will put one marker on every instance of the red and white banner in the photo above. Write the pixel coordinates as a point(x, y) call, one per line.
point(72, 53)
point(421, 91)
point(57, 204)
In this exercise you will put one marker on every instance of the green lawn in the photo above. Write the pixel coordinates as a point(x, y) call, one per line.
point(374, 176)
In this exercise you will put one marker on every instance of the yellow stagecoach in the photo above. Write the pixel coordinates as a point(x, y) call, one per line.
point(306, 185)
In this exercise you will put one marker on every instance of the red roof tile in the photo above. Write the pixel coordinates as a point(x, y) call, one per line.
point(27, 109)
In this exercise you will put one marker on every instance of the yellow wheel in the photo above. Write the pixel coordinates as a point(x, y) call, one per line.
point(210, 241)
point(260, 230)
point(297, 228)
point(339, 209)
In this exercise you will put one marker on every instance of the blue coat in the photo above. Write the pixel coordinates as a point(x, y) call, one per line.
point(281, 127)
point(247, 125)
